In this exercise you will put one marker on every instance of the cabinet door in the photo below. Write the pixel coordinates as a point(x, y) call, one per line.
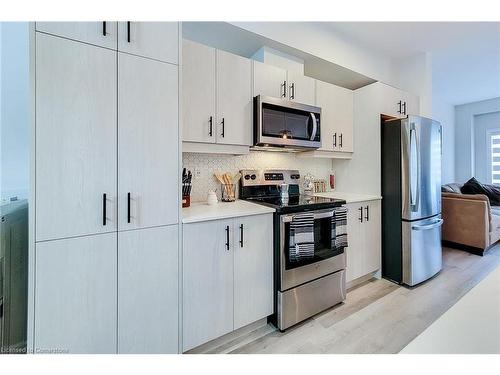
point(391, 100)
point(234, 99)
point(75, 138)
point(301, 89)
point(412, 105)
point(102, 34)
point(75, 301)
point(355, 238)
point(148, 290)
point(198, 92)
point(269, 80)
point(372, 248)
point(253, 269)
point(337, 117)
point(147, 142)
point(155, 40)
point(207, 282)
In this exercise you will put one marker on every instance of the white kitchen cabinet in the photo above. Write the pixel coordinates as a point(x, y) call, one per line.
point(234, 99)
point(148, 290)
point(364, 239)
point(198, 92)
point(207, 281)
point(227, 284)
point(395, 102)
point(154, 40)
point(269, 80)
point(301, 89)
point(102, 34)
point(76, 297)
point(147, 142)
point(337, 117)
point(253, 269)
point(75, 138)
point(411, 103)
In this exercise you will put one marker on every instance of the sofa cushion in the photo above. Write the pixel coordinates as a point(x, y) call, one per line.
point(451, 188)
point(473, 186)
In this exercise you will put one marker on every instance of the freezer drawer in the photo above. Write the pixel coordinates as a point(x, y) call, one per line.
point(422, 252)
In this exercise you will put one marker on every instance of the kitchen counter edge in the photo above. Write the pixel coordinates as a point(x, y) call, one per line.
point(201, 211)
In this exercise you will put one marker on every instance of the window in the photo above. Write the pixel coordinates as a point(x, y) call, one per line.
point(494, 147)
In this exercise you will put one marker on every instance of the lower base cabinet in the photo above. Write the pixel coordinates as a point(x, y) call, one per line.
point(76, 298)
point(227, 276)
point(148, 291)
point(108, 293)
point(364, 239)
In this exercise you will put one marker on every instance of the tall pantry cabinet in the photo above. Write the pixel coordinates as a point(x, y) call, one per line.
point(106, 188)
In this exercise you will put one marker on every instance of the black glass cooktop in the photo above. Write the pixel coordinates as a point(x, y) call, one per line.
point(298, 203)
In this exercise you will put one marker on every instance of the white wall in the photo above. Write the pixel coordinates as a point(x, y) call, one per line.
point(317, 39)
point(464, 135)
point(445, 113)
point(14, 151)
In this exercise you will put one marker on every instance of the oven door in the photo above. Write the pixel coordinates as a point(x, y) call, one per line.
point(284, 123)
point(325, 261)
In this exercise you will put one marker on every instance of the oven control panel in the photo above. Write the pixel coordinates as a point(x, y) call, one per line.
point(255, 177)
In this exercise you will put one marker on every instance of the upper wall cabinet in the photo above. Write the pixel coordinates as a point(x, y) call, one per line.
point(198, 92)
point(396, 102)
point(269, 80)
point(337, 108)
point(102, 34)
point(234, 99)
point(301, 89)
point(213, 113)
point(75, 101)
point(155, 40)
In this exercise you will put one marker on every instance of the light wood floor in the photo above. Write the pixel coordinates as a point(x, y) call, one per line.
point(379, 316)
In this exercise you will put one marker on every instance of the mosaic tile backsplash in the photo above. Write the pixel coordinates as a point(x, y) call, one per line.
point(208, 164)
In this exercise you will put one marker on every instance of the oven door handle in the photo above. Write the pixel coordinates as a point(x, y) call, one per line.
point(320, 215)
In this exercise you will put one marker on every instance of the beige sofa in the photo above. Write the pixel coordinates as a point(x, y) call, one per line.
point(469, 220)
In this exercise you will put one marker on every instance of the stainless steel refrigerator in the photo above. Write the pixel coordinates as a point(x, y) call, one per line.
point(411, 204)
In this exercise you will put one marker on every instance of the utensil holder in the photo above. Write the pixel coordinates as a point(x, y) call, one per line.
point(228, 192)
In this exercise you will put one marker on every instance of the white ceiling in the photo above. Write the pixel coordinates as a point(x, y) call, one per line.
point(465, 55)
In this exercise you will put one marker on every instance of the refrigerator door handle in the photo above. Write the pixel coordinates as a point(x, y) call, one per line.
point(433, 225)
point(415, 168)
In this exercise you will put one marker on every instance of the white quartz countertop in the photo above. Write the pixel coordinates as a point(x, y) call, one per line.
point(223, 210)
point(349, 197)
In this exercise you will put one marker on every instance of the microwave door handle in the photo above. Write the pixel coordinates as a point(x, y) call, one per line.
point(315, 126)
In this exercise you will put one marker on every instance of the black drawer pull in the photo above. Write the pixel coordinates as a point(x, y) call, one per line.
point(367, 217)
point(361, 215)
point(104, 28)
point(104, 209)
point(128, 208)
point(128, 31)
point(210, 129)
point(241, 235)
point(227, 237)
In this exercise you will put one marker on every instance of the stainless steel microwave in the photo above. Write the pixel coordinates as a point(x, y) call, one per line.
point(286, 124)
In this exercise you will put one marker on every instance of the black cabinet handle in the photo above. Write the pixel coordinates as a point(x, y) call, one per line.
point(128, 31)
point(367, 217)
point(104, 209)
point(340, 140)
point(361, 215)
point(227, 237)
point(210, 129)
point(404, 108)
point(104, 28)
point(292, 91)
point(284, 89)
point(241, 235)
point(400, 104)
point(128, 208)
point(335, 140)
point(223, 127)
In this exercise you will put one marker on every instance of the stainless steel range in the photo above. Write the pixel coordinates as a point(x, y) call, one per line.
point(309, 285)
